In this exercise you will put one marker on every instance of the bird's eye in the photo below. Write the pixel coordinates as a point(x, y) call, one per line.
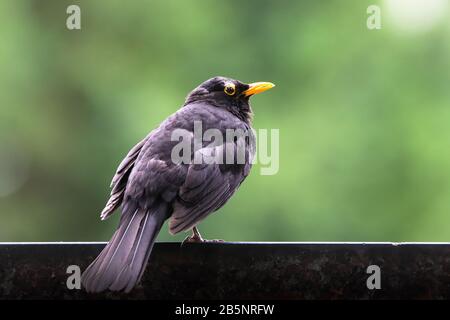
point(229, 89)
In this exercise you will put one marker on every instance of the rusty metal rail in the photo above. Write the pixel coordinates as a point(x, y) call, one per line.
point(239, 271)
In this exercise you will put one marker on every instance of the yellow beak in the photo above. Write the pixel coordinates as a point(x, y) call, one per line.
point(258, 87)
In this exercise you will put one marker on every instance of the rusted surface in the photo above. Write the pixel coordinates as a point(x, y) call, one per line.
point(239, 271)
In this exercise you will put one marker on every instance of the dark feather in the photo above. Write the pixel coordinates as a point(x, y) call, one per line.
point(120, 180)
point(121, 263)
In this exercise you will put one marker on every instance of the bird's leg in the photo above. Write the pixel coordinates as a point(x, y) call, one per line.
point(196, 237)
point(197, 234)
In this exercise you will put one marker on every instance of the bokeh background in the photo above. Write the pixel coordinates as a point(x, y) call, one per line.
point(364, 116)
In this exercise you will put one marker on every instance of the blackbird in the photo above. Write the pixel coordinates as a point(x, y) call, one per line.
point(151, 187)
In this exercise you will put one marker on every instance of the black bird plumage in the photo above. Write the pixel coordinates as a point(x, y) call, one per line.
point(151, 188)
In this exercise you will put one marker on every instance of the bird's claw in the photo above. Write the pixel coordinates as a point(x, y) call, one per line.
point(214, 240)
point(195, 239)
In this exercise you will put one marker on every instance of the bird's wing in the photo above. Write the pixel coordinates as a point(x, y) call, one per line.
point(207, 187)
point(120, 179)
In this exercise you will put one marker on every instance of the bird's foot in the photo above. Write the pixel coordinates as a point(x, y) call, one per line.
point(214, 240)
point(193, 239)
point(196, 237)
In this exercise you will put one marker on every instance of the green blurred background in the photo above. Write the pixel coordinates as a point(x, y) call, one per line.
point(364, 116)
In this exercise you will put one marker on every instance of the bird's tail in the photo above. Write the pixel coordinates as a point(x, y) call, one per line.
point(122, 262)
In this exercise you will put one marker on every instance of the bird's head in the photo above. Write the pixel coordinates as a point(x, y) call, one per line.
point(227, 93)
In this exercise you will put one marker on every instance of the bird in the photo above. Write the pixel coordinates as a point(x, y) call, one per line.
point(151, 187)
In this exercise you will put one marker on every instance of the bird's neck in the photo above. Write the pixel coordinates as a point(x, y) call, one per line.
point(241, 108)
point(243, 112)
